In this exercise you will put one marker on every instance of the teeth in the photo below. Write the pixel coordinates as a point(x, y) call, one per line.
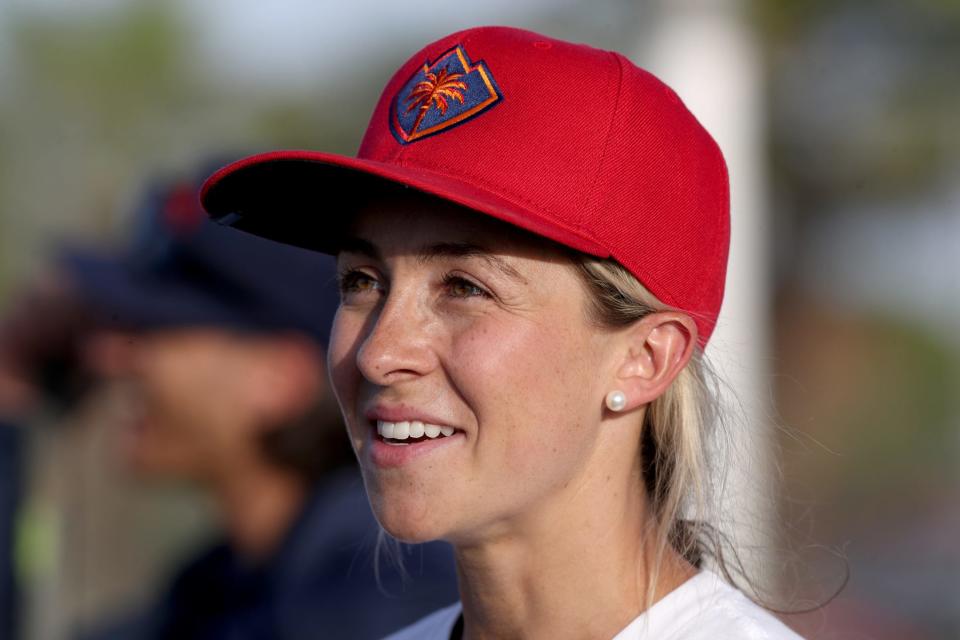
point(416, 429)
point(386, 429)
point(413, 429)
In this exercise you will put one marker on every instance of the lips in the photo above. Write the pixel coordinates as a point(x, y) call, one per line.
point(403, 435)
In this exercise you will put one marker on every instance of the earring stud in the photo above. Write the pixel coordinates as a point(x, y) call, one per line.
point(616, 400)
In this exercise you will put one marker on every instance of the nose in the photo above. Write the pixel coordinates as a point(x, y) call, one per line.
point(399, 344)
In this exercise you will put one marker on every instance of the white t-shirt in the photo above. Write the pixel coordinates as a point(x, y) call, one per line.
point(702, 608)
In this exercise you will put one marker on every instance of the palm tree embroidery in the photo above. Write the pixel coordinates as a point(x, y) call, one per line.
point(435, 90)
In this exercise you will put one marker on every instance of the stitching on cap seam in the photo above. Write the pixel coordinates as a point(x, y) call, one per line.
point(709, 318)
point(592, 193)
point(647, 280)
point(500, 192)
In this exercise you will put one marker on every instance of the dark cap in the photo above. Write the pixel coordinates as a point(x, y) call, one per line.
point(180, 269)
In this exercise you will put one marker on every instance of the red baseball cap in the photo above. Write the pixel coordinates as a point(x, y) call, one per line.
point(572, 143)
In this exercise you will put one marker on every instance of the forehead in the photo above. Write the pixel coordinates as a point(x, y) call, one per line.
point(413, 223)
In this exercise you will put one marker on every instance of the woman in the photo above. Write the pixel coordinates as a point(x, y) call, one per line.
point(517, 350)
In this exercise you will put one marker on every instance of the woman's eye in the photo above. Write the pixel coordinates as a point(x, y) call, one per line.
point(462, 288)
point(357, 282)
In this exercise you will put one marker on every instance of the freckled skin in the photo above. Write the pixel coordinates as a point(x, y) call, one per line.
point(516, 371)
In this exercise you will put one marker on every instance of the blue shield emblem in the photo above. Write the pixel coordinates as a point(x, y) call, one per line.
point(442, 94)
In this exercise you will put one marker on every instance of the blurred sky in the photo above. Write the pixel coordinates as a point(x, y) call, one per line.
point(289, 43)
point(305, 42)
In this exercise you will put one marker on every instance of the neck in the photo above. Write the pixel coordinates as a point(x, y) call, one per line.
point(579, 567)
point(258, 508)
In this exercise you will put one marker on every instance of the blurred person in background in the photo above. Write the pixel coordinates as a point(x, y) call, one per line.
point(215, 339)
point(11, 446)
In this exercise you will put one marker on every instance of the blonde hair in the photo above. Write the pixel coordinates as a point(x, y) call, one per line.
point(677, 426)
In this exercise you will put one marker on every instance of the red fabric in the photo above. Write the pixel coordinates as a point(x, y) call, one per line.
point(584, 148)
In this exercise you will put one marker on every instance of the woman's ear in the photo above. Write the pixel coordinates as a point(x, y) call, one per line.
point(657, 348)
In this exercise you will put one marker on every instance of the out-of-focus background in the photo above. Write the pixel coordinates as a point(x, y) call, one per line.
point(840, 122)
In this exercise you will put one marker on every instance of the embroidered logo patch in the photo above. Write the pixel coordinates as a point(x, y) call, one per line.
point(441, 95)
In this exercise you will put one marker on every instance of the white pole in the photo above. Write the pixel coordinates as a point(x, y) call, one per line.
point(705, 52)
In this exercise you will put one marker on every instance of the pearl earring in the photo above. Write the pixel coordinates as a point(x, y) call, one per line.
point(616, 400)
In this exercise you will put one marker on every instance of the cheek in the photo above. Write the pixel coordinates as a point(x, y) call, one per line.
point(163, 390)
point(530, 394)
point(345, 338)
point(179, 412)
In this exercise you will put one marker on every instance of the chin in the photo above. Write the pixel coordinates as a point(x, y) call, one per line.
point(407, 519)
point(404, 532)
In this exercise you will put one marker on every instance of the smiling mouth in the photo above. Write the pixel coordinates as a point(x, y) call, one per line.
point(400, 434)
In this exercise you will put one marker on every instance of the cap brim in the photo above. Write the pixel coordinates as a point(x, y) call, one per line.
point(307, 198)
point(130, 299)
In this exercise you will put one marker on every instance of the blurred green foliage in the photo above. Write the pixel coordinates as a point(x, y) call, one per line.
point(896, 59)
point(780, 22)
point(117, 66)
point(906, 429)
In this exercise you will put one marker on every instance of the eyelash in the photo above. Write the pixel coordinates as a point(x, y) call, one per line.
point(350, 278)
point(450, 280)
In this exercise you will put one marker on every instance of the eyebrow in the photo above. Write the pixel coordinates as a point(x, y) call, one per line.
point(353, 244)
point(439, 250)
